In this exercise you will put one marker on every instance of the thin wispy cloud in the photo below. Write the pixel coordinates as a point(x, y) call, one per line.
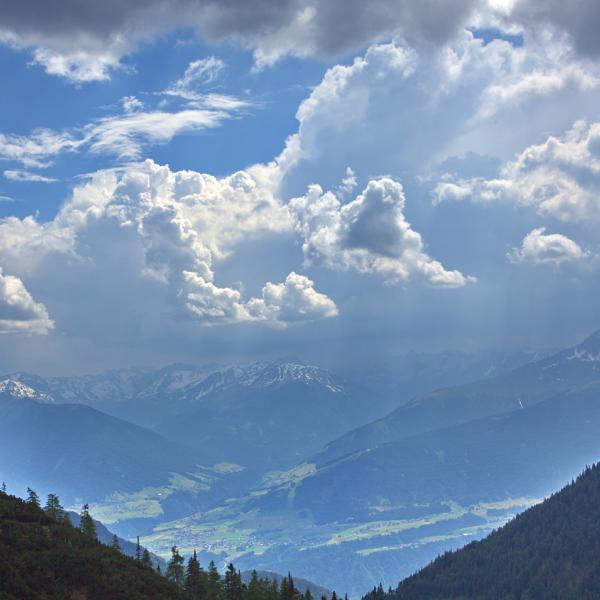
point(124, 135)
point(15, 175)
point(198, 75)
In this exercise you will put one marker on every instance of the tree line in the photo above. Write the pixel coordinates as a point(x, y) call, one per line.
point(42, 551)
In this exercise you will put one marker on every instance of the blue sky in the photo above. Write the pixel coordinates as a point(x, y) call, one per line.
point(203, 181)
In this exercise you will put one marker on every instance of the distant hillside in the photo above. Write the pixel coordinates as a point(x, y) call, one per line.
point(41, 558)
point(550, 551)
point(521, 387)
point(272, 427)
point(79, 452)
point(527, 452)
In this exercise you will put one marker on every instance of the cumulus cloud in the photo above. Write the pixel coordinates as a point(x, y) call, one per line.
point(560, 177)
point(539, 247)
point(155, 227)
point(293, 300)
point(19, 312)
point(370, 234)
point(413, 110)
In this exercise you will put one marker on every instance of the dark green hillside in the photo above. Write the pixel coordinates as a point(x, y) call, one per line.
point(44, 557)
point(41, 558)
point(549, 552)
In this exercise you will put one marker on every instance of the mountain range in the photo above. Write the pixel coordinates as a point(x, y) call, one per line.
point(286, 465)
point(443, 469)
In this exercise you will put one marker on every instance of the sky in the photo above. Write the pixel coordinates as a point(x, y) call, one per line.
point(192, 180)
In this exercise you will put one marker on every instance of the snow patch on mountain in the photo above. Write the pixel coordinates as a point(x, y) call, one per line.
point(17, 389)
point(584, 356)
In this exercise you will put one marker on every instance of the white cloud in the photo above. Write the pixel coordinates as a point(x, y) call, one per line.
point(123, 135)
point(38, 148)
point(412, 110)
point(19, 312)
point(541, 248)
point(370, 234)
point(538, 82)
point(132, 104)
point(560, 178)
point(198, 74)
point(145, 225)
point(293, 300)
point(16, 175)
point(349, 182)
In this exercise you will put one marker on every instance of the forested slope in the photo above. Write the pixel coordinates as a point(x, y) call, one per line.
point(548, 552)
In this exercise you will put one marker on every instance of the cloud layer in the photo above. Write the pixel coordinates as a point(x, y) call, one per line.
point(83, 41)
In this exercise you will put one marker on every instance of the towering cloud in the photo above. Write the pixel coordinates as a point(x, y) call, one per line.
point(369, 234)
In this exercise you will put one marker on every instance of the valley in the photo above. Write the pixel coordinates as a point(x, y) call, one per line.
point(277, 465)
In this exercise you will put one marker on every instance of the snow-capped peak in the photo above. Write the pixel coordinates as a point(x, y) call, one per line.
point(268, 375)
point(17, 389)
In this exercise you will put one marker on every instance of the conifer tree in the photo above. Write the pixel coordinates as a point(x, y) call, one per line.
point(4, 487)
point(33, 498)
point(115, 542)
point(86, 524)
point(175, 571)
point(308, 595)
point(291, 588)
point(195, 579)
point(54, 508)
point(233, 583)
point(283, 589)
point(272, 592)
point(138, 549)
point(254, 587)
point(146, 559)
point(213, 591)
